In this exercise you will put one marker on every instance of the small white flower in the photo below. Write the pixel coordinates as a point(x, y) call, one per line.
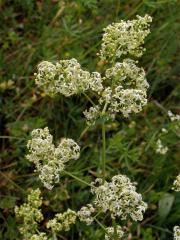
point(110, 233)
point(173, 117)
point(164, 130)
point(92, 114)
point(85, 214)
point(176, 184)
point(176, 233)
point(40, 236)
point(160, 148)
point(96, 82)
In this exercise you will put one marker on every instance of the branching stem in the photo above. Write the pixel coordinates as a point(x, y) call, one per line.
point(103, 151)
point(77, 178)
point(115, 230)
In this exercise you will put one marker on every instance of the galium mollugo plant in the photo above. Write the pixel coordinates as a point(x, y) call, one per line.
point(121, 89)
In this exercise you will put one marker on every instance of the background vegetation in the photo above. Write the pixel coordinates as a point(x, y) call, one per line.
point(35, 30)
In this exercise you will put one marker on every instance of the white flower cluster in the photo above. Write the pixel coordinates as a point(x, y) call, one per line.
point(173, 117)
point(176, 184)
point(92, 114)
point(128, 101)
point(110, 233)
point(177, 233)
point(85, 214)
point(160, 148)
point(119, 197)
point(66, 77)
point(128, 75)
point(62, 221)
point(164, 130)
point(40, 236)
point(31, 215)
point(125, 37)
point(127, 93)
point(45, 77)
point(123, 87)
point(48, 159)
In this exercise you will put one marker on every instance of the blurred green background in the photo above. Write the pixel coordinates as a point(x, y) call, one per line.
point(36, 30)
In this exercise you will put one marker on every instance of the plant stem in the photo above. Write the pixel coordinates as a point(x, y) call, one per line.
point(78, 179)
point(83, 133)
point(89, 99)
point(100, 224)
point(11, 181)
point(103, 151)
point(54, 236)
point(115, 230)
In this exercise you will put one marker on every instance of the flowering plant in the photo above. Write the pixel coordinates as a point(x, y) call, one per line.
point(121, 89)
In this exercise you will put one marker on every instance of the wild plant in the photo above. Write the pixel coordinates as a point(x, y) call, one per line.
point(121, 88)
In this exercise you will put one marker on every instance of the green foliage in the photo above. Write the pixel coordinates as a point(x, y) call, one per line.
point(165, 205)
point(32, 31)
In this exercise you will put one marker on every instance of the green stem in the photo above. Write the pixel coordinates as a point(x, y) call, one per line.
point(75, 177)
point(83, 133)
point(100, 224)
point(11, 181)
point(115, 230)
point(103, 151)
point(54, 236)
point(89, 99)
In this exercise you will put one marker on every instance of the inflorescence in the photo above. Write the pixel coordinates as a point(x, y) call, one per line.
point(125, 37)
point(176, 184)
point(31, 215)
point(110, 233)
point(160, 148)
point(176, 233)
point(123, 87)
point(119, 197)
point(62, 221)
point(66, 77)
point(48, 159)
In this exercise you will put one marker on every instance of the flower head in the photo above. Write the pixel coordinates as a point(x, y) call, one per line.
point(71, 78)
point(48, 159)
point(173, 117)
point(45, 77)
point(30, 214)
point(128, 101)
point(85, 214)
point(110, 233)
point(125, 38)
point(66, 77)
point(62, 221)
point(176, 184)
point(127, 75)
point(119, 197)
point(176, 233)
point(160, 148)
point(40, 236)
